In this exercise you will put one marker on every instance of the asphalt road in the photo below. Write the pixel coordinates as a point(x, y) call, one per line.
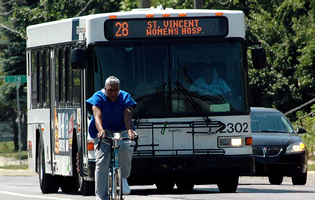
point(257, 188)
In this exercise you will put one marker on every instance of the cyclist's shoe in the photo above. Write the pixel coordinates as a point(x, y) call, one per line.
point(126, 188)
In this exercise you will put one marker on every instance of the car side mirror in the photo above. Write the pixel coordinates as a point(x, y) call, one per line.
point(300, 130)
point(259, 57)
point(78, 59)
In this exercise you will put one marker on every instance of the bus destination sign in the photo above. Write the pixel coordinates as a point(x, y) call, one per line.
point(116, 29)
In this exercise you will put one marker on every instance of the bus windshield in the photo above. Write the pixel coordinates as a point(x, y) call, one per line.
point(175, 79)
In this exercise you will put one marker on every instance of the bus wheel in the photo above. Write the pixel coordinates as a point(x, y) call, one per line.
point(87, 187)
point(48, 183)
point(228, 184)
point(185, 186)
point(275, 180)
point(69, 184)
point(165, 185)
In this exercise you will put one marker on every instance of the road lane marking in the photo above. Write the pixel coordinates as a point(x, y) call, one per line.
point(32, 196)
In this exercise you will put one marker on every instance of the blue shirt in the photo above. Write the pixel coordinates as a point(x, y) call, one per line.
point(217, 87)
point(112, 112)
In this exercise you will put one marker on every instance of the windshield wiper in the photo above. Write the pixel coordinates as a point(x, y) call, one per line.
point(191, 100)
point(272, 131)
point(158, 91)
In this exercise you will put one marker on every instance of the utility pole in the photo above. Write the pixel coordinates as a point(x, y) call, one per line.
point(198, 4)
point(144, 3)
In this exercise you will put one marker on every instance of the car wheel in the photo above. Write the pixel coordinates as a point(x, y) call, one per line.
point(299, 180)
point(275, 180)
point(228, 184)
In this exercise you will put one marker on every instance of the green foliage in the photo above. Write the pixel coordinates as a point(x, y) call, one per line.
point(308, 122)
point(286, 30)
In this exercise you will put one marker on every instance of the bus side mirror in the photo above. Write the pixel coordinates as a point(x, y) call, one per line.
point(259, 58)
point(78, 59)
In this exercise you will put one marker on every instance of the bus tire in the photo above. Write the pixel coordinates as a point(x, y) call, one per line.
point(87, 187)
point(69, 184)
point(185, 186)
point(228, 184)
point(164, 185)
point(275, 180)
point(48, 183)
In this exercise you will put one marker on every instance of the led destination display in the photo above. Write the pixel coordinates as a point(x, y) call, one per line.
point(165, 27)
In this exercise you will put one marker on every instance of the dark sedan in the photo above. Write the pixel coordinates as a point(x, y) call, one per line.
point(279, 150)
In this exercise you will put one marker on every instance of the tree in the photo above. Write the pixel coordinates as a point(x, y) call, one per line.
point(307, 121)
point(279, 28)
point(21, 14)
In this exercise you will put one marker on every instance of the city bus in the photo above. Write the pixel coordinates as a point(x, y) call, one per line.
point(189, 134)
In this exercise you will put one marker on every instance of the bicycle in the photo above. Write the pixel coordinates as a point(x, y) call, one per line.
point(114, 173)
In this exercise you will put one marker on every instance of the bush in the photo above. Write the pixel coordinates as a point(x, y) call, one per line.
point(307, 121)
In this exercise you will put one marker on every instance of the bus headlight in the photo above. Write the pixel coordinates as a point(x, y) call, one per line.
point(296, 147)
point(230, 142)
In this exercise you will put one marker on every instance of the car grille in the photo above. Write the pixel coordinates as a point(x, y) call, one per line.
point(267, 151)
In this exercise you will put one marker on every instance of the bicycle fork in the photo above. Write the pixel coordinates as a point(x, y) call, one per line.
point(114, 177)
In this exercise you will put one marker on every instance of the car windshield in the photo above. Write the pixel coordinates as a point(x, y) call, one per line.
point(270, 122)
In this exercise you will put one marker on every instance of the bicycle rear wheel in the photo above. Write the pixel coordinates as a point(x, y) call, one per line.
point(115, 184)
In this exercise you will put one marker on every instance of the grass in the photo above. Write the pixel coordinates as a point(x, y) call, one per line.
point(311, 167)
point(14, 167)
point(7, 151)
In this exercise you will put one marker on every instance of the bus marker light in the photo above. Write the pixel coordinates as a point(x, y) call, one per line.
point(219, 13)
point(90, 146)
point(166, 15)
point(248, 141)
point(42, 128)
point(149, 15)
point(112, 16)
point(182, 15)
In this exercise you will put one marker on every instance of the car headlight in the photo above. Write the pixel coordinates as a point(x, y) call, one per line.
point(296, 147)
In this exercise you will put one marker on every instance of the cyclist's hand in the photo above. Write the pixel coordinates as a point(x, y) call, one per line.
point(101, 134)
point(132, 134)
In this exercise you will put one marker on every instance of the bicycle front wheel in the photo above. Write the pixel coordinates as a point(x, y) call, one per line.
point(115, 185)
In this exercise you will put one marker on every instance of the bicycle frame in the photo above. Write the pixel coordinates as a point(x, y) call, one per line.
point(114, 175)
point(114, 172)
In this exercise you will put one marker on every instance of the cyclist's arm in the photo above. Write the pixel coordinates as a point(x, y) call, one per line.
point(128, 117)
point(97, 113)
point(128, 121)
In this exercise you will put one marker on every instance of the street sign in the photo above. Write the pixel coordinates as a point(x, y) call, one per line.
point(15, 78)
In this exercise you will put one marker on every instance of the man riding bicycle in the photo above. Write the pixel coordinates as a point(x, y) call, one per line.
point(112, 110)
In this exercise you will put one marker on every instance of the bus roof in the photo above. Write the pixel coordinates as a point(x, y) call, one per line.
point(91, 27)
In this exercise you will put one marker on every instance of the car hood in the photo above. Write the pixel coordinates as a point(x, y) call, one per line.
point(274, 139)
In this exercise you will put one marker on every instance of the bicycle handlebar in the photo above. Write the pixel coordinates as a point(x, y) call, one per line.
point(118, 137)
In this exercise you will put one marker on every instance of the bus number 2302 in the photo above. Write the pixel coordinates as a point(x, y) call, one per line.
point(231, 127)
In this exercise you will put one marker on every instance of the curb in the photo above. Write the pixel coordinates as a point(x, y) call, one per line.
point(17, 172)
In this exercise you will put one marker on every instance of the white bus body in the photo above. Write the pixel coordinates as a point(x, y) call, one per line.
point(185, 138)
